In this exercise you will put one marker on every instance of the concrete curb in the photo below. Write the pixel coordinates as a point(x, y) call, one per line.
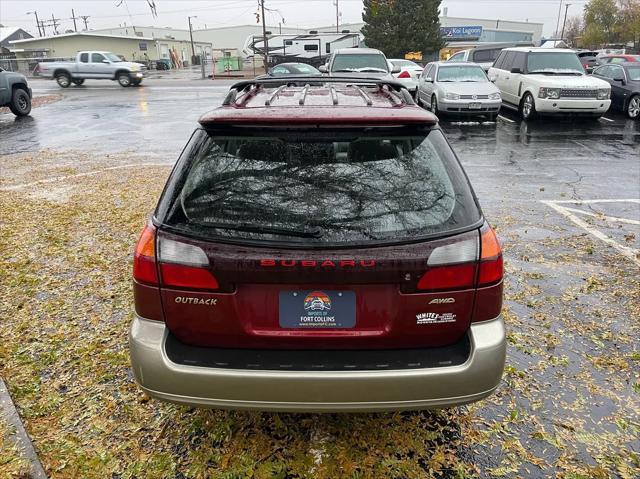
point(10, 414)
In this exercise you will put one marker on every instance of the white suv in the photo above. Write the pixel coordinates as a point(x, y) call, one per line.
point(548, 81)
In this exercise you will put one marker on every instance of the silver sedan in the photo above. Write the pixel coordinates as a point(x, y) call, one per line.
point(458, 88)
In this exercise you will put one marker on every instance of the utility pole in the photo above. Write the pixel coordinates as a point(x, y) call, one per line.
point(84, 19)
point(73, 17)
point(266, 40)
point(555, 34)
point(337, 18)
point(193, 50)
point(37, 21)
point(55, 23)
point(565, 20)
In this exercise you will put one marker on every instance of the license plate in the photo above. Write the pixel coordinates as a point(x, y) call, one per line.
point(475, 106)
point(317, 309)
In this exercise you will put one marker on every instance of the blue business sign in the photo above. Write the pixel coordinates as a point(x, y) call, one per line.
point(461, 33)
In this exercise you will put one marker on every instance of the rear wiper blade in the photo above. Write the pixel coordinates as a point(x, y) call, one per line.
point(251, 228)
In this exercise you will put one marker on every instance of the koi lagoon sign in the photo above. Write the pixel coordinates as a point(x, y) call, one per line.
point(461, 33)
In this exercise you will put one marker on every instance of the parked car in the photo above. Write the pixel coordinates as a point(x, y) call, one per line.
point(625, 86)
point(604, 59)
point(291, 69)
point(329, 255)
point(359, 62)
point(483, 55)
point(548, 81)
point(15, 93)
point(589, 60)
point(460, 88)
point(408, 75)
point(93, 65)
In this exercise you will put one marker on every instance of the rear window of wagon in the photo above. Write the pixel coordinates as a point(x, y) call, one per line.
point(319, 187)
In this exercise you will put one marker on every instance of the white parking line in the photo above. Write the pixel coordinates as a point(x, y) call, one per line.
point(590, 202)
point(505, 119)
point(602, 217)
point(607, 119)
point(79, 175)
point(630, 253)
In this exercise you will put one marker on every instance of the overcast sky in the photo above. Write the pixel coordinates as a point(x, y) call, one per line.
point(213, 13)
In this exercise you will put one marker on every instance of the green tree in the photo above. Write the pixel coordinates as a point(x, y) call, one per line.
point(600, 20)
point(400, 26)
point(629, 21)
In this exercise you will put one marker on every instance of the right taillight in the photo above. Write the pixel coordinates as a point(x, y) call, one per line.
point(491, 264)
point(404, 74)
point(184, 265)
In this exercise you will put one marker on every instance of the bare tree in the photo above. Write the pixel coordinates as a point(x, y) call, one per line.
point(573, 30)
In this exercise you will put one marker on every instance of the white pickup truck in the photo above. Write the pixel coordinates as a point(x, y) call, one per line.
point(93, 65)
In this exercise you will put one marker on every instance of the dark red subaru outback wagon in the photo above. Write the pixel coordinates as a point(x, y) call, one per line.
point(318, 247)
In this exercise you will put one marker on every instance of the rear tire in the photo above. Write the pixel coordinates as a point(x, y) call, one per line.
point(63, 80)
point(20, 102)
point(633, 108)
point(124, 80)
point(528, 107)
point(492, 117)
point(78, 81)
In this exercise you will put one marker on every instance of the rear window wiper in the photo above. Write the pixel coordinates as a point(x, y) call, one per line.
point(252, 228)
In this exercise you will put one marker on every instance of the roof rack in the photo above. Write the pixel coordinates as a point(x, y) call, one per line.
point(319, 80)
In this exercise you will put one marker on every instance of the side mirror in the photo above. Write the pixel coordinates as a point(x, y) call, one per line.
point(493, 79)
point(323, 69)
point(106, 61)
point(620, 80)
point(429, 80)
point(516, 70)
point(396, 69)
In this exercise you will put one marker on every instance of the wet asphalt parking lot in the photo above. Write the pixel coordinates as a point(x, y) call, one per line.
point(565, 198)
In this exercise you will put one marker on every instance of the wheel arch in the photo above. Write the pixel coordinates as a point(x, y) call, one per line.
point(528, 90)
point(120, 72)
point(628, 100)
point(59, 71)
point(21, 85)
point(625, 107)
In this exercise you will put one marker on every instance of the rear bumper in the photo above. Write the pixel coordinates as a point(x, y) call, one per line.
point(318, 391)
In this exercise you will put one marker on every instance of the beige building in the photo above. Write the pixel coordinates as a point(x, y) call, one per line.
point(226, 41)
point(131, 47)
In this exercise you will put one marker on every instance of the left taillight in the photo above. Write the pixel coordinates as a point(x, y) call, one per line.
point(144, 259)
point(184, 265)
point(404, 74)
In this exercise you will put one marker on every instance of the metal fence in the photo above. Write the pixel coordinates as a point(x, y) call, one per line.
point(26, 66)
